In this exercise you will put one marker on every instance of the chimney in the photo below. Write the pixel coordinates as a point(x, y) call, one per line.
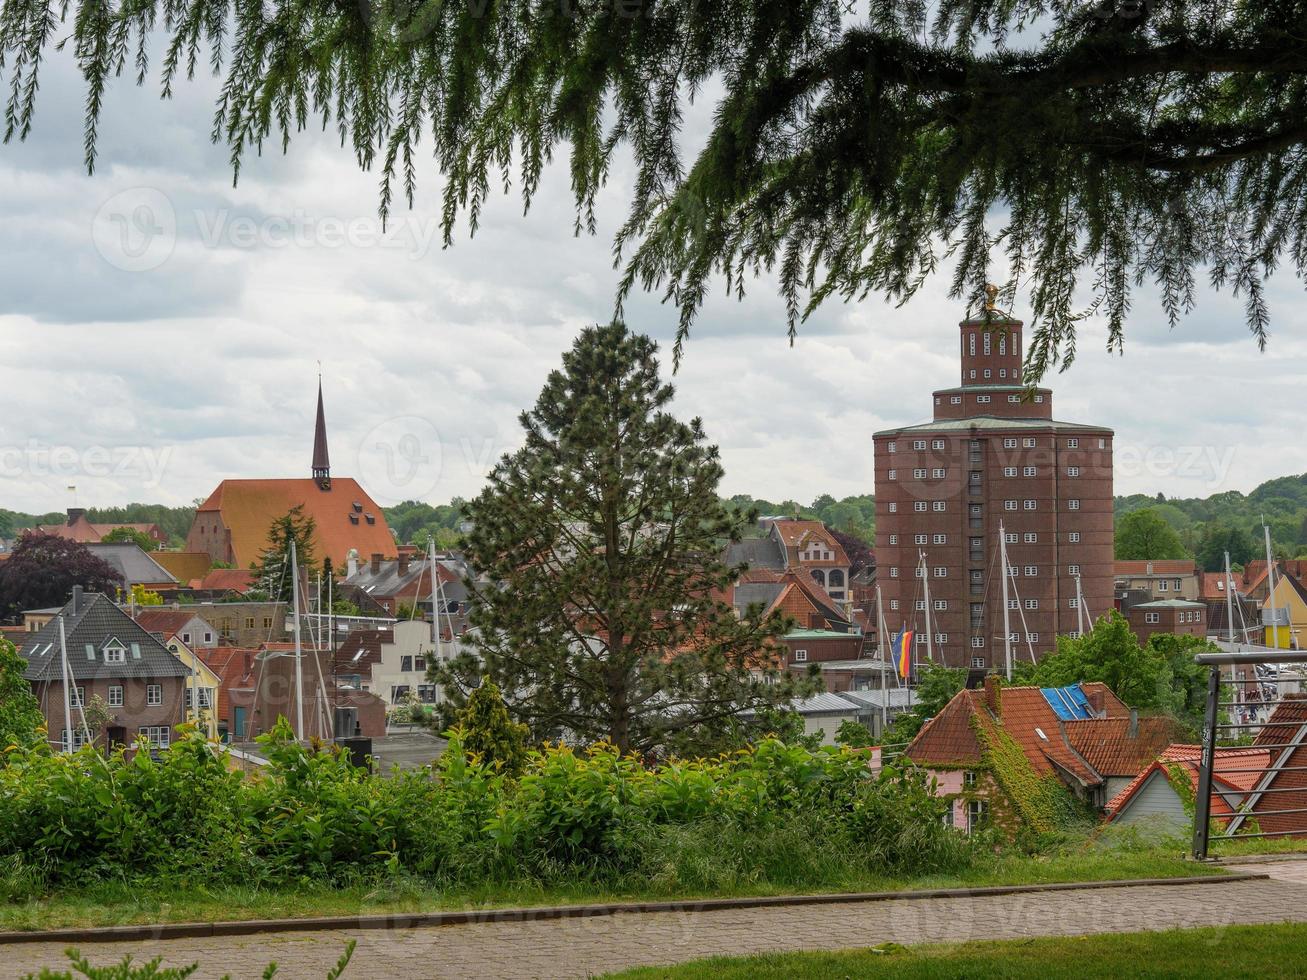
point(1134, 722)
point(351, 563)
point(403, 565)
point(1094, 696)
point(75, 514)
point(77, 598)
point(376, 563)
point(993, 699)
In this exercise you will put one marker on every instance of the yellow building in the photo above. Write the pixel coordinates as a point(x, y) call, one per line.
point(1288, 634)
point(201, 687)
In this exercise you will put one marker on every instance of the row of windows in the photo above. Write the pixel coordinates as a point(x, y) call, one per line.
point(1163, 584)
point(1014, 571)
point(153, 696)
point(1029, 537)
point(920, 506)
point(1183, 616)
point(1009, 442)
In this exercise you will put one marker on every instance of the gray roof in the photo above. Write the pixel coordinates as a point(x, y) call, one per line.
point(898, 697)
point(756, 553)
point(824, 703)
point(1170, 604)
point(130, 562)
point(993, 422)
point(96, 622)
point(757, 593)
point(388, 580)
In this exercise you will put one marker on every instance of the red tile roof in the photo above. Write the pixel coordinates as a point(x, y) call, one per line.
point(1285, 721)
point(796, 535)
point(950, 738)
point(1105, 743)
point(248, 508)
point(1026, 716)
point(226, 579)
point(1226, 774)
point(168, 622)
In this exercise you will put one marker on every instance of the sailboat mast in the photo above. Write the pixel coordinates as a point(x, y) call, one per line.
point(435, 608)
point(1229, 602)
point(67, 739)
point(925, 585)
point(1270, 584)
point(1007, 626)
point(1080, 608)
point(884, 652)
point(299, 653)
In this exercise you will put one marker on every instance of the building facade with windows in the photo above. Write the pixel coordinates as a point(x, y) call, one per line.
point(109, 656)
point(993, 457)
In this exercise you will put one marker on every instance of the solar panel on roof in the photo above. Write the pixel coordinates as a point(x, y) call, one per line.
point(1068, 703)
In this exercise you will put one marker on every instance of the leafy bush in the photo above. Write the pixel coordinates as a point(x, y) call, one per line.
point(776, 811)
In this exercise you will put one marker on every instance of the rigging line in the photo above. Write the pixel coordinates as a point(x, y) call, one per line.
point(258, 680)
point(1024, 627)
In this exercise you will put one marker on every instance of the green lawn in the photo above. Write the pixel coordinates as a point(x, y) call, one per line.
point(1235, 951)
point(1104, 858)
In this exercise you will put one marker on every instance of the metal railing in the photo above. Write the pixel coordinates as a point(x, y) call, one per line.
point(1245, 692)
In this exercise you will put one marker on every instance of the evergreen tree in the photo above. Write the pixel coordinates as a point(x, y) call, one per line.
point(602, 537)
point(1143, 535)
point(272, 568)
point(20, 713)
point(1096, 143)
point(489, 731)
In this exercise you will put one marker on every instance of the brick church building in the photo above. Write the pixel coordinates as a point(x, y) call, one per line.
point(993, 455)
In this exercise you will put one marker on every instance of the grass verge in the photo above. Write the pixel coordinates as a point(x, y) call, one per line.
point(1241, 951)
point(1104, 857)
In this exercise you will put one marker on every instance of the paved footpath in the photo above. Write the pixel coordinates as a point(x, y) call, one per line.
point(583, 947)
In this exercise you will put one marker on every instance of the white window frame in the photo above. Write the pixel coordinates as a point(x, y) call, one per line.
point(1030, 505)
point(1073, 504)
point(978, 643)
point(115, 696)
point(800, 656)
point(939, 506)
point(154, 695)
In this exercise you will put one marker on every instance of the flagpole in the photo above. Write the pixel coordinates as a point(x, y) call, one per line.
point(925, 584)
point(1007, 625)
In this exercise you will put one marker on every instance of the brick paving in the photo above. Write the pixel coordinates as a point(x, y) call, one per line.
point(583, 947)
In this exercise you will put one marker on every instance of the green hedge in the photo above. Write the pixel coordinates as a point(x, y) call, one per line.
point(776, 811)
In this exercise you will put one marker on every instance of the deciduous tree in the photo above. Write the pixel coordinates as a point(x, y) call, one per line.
point(43, 569)
point(20, 713)
point(1142, 534)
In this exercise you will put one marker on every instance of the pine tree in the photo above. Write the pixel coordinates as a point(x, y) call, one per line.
point(602, 537)
point(272, 568)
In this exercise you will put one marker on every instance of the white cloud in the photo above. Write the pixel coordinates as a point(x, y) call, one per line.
point(209, 361)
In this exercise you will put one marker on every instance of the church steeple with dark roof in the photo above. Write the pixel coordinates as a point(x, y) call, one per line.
point(321, 460)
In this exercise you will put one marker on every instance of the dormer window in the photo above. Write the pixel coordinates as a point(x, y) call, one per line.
point(358, 507)
point(115, 653)
point(353, 518)
point(371, 518)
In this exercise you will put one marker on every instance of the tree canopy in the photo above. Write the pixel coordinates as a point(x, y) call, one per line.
point(20, 712)
point(602, 538)
point(129, 535)
point(1092, 145)
point(43, 569)
point(1142, 534)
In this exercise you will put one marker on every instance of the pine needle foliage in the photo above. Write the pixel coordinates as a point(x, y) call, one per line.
point(1095, 144)
point(603, 538)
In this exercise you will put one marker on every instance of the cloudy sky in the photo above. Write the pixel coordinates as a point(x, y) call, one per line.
point(161, 330)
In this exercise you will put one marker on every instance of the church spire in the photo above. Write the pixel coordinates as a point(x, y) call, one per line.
point(321, 461)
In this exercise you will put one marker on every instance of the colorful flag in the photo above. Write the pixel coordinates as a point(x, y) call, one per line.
point(903, 651)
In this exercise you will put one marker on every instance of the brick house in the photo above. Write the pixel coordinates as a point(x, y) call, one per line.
point(78, 527)
point(993, 455)
point(1011, 755)
point(111, 656)
point(1184, 617)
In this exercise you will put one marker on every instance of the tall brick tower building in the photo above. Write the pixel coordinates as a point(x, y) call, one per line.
point(993, 455)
